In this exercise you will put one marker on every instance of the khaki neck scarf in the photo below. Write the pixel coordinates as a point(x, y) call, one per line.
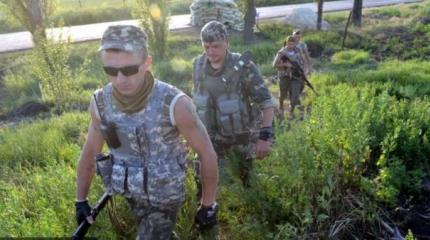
point(137, 102)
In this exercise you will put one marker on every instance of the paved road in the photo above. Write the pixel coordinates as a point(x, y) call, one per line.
point(22, 40)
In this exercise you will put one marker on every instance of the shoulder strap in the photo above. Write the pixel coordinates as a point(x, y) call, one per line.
point(98, 98)
point(199, 71)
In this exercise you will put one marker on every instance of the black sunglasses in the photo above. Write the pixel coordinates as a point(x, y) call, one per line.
point(126, 71)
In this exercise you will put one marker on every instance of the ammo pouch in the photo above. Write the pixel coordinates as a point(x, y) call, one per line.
point(232, 119)
point(201, 101)
point(104, 169)
point(132, 180)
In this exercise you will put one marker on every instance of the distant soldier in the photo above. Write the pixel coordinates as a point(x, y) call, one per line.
point(297, 34)
point(289, 62)
point(232, 101)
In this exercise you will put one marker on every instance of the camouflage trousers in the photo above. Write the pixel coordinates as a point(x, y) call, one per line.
point(237, 159)
point(154, 223)
point(242, 164)
point(291, 88)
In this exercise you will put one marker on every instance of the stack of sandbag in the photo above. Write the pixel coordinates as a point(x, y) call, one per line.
point(225, 11)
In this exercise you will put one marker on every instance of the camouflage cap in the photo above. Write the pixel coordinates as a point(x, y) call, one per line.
point(213, 31)
point(127, 38)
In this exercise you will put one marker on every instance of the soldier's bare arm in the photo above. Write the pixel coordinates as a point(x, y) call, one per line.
point(260, 95)
point(92, 146)
point(190, 126)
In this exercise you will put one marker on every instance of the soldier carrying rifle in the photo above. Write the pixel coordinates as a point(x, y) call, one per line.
point(142, 119)
point(290, 63)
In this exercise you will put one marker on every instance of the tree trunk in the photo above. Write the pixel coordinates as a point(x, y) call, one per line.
point(250, 14)
point(37, 21)
point(357, 12)
point(320, 14)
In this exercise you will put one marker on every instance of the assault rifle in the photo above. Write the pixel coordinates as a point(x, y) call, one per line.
point(297, 71)
point(85, 225)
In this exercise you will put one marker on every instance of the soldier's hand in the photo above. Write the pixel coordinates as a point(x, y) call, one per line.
point(206, 217)
point(83, 211)
point(262, 149)
point(264, 142)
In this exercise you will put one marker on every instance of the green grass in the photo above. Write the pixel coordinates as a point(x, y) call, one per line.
point(350, 58)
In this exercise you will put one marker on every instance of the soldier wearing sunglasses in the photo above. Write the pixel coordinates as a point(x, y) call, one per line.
point(142, 120)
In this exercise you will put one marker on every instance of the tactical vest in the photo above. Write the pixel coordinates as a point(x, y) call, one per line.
point(150, 162)
point(222, 102)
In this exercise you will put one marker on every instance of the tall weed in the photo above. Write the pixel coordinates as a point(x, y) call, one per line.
point(43, 143)
point(56, 77)
point(39, 202)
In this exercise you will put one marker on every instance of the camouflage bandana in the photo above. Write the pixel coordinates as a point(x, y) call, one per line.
point(213, 31)
point(127, 38)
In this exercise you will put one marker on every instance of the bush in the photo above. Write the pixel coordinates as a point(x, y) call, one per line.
point(43, 143)
point(322, 42)
point(386, 12)
point(274, 30)
point(56, 78)
point(350, 58)
point(40, 202)
point(176, 71)
point(81, 16)
point(20, 89)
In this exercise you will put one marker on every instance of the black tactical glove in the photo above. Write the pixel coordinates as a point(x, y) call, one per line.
point(83, 210)
point(206, 217)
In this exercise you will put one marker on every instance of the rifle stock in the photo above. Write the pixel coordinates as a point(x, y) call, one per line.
point(84, 226)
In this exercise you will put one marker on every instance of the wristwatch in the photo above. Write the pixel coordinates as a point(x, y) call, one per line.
point(266, 133)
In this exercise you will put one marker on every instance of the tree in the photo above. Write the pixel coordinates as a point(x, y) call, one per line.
point(250, 14)
point(357, 12)
point(154, 18)
point(320, 13)
point(34, 15)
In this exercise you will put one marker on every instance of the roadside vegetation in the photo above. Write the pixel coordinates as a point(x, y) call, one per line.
point(75, 12)
point(361, 154)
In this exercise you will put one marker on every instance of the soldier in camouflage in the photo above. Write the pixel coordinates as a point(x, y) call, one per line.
point(290, 84)
point(141, 119)
point(297, 34)
point(232, 101)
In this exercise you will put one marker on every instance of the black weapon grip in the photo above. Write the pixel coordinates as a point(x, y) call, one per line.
point(84, 226)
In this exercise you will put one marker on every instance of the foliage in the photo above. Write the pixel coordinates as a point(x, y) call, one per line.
point(43, 143)
point(33, 15)
point(20, 88)
point(323, 42)
point(350, 58)
point(56, 78)
point(154, 18)
point(40, 202)
point(274, 30)
point(176, 71)
point(80, 16)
